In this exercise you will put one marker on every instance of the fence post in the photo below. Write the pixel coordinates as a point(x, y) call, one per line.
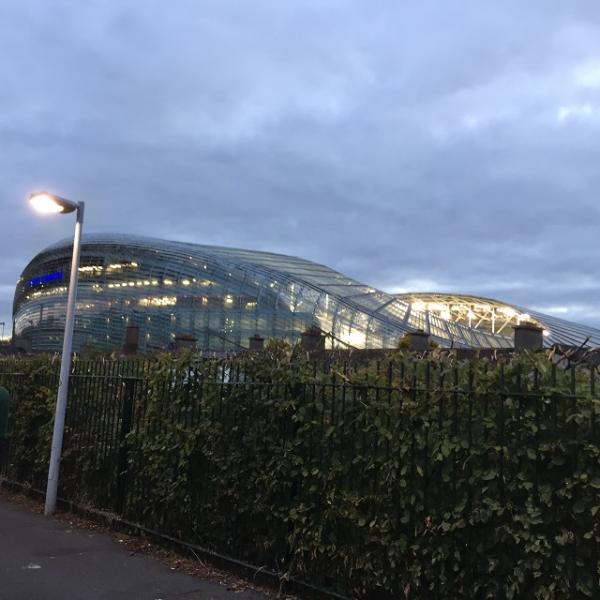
point(312, 340)
point(126, 424)
point(4, 404)
point(528, 336)
point(256, 343)
point(132, 338)
point(418, 340)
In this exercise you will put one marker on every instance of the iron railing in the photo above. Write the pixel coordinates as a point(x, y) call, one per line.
point(401, 439)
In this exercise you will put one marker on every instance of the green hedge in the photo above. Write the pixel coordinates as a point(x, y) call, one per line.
point(406, 478)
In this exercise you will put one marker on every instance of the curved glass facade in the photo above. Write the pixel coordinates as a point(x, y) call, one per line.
point(222, 296)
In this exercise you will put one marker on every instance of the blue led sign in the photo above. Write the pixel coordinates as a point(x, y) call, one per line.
point(46, 278)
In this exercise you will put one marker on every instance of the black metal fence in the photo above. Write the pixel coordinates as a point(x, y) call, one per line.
point(348, 475)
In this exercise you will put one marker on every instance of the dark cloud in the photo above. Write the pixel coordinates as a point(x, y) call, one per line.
point(411, 145)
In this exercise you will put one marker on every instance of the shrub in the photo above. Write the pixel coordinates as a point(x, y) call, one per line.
point(408, 477)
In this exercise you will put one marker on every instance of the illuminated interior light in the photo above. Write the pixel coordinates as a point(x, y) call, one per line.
point(354, 338)
point(168, 282)
point(155, 282)
point(436, 306)
point(185, 281)
point(158, 301)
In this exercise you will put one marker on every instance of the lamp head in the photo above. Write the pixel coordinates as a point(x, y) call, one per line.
point(45, 202)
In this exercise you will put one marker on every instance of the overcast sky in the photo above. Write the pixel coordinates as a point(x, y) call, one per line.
point(428, 146)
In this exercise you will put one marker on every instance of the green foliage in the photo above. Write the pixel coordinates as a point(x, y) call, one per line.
point(404, 342)
point(406, 478)
point(31, 384)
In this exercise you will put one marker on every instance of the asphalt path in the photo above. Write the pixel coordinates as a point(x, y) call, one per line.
point(44, 559)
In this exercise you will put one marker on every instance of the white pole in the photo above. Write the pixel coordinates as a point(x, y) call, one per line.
point(65, 368)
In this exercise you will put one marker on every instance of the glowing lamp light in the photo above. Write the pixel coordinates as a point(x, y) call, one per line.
point(46, 203)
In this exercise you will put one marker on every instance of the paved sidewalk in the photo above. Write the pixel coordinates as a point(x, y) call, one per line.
point(43, 559)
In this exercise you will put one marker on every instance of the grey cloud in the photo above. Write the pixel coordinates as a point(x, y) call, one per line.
point(453, 144)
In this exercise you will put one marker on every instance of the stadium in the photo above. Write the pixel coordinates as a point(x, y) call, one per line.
point(220, 297)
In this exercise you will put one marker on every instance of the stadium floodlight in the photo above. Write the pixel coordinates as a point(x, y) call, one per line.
point(49, 203)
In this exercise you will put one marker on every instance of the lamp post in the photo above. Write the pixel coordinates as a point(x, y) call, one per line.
point(49, 203)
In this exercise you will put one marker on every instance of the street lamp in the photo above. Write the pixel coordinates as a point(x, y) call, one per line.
point(49, 203)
